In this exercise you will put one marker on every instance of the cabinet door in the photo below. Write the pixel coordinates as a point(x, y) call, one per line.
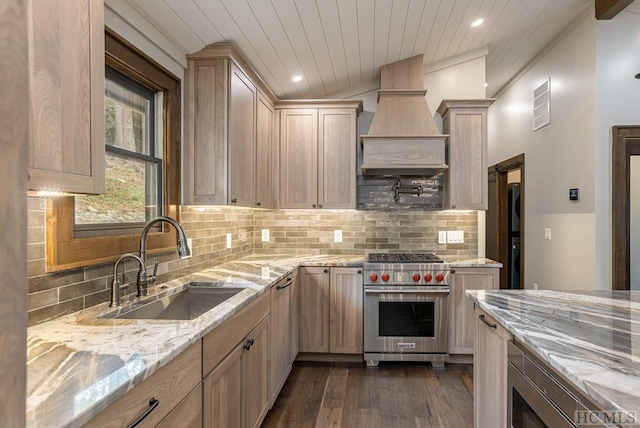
point(337, 158)
point(314, 309)
point(345, 328)
point(280, 324)
point(266, 154)
point(294, 318)
point(490, 373)
point(187, 414)
point(461, 317)
point(255, 372)
point(66, 145)
point(205, 148)
point(222, 392)
point(298, 158)
point(242, 139)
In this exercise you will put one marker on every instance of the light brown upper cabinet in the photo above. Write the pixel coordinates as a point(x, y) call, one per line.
point(465, 182)
point(318, 154)
point(230, 147)
point(66, 144)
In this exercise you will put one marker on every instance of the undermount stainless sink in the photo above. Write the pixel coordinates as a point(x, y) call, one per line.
point(187, 304)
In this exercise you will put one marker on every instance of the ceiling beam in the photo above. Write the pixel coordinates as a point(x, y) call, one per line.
point(607, 9)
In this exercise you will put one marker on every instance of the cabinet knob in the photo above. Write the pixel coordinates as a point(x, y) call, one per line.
point(319, 205)
point(313, 206)
point(259, 203)
point(234, 201)
point(453, 207)
point(359, 272)
point(326, 271)
point(453, 271)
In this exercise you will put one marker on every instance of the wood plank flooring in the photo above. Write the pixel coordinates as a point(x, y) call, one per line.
point(392, 395)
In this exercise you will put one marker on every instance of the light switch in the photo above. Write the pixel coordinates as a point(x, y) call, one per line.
point(228, 241)
point(265, 235)
point(442, 237)
point(337, 235)
point(455, 237)
point(547, 234)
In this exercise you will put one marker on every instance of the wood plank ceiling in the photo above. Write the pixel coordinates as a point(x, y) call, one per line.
point(340, 44)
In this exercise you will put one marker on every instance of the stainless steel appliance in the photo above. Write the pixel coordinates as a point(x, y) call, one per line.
point(406, 306)
point(538, 398)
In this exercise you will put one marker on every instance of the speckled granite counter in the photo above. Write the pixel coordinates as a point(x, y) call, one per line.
point(591, 337)
point(470, 263)
point(79, 364)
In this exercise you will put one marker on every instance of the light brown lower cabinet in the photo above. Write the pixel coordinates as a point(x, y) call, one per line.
point(169, 386)
point(236, 392)
point(331, 302)
point(283, 311)
point(187, 414)
point(461, 317)
point(490, 362)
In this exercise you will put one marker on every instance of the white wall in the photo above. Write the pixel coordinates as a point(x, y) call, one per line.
point(558, 157)
point(618, 103)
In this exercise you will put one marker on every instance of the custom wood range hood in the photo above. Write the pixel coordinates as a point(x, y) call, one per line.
point(403, 138)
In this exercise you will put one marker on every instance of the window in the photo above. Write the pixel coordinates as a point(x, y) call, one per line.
point(133, 161)
point(142, 137)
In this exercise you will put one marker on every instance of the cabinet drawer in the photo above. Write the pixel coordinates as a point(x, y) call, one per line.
point(217, 344)
point(169, 385)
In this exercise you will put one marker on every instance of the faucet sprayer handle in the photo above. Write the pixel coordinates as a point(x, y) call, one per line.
point(152, 278)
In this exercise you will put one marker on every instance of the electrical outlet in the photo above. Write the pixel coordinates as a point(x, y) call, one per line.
point(265, 272)
point(547, 234)
point(337, 235)
point(442, 237)
point(535, 286)
point(455, 236)
point(265, 235)
point(190, 245)
point(228, 241)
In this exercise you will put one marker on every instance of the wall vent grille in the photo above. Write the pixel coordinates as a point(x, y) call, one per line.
point(541, 105)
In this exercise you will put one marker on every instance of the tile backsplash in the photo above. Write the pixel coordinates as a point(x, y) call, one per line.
point(291, 231)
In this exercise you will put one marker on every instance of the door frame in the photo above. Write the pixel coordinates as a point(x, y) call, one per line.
point(498, 224)
point(626, 142)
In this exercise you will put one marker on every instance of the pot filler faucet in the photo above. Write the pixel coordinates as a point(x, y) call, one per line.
point(143, 280)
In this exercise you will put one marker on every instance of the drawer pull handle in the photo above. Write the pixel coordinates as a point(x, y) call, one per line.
point(248, 344)
point(153, 403)
point(482, 318)
point(289, 282)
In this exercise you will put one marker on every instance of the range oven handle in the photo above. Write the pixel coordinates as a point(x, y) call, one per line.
point(407, 290)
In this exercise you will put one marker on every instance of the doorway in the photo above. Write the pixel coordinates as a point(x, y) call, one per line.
point(505, 220)
point(625, 197)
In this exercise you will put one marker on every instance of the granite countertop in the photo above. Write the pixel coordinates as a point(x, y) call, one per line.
point(591, 337)
point(470, 263)
point(80, 363)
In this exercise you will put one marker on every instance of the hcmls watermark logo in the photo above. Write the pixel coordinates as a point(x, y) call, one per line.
point(587, 417)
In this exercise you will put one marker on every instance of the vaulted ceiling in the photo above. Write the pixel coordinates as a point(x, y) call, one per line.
point(340, 44)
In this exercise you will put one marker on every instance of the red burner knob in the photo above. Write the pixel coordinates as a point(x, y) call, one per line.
point(385, 277)
point(428, 277)
point(373, 277)
point(439, 277)
point(416, 277)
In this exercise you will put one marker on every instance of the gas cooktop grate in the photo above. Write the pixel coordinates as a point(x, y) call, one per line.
point(403, 258)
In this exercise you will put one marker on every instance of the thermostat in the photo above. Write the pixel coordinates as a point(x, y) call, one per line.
point(574, 194)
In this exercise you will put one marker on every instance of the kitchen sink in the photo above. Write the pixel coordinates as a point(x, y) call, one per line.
point(187, 304)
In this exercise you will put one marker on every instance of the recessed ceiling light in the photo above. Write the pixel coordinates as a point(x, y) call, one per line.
point(478, 22)
point(296, 78)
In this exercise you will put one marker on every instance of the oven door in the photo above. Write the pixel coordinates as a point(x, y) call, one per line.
point(405, 320)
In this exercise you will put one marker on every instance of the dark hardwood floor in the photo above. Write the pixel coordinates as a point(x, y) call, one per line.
point(392, 395)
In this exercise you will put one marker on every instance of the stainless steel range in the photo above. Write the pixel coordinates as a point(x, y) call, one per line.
point(406, 308)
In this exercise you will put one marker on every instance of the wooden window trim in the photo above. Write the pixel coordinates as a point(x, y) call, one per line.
point(64, 251)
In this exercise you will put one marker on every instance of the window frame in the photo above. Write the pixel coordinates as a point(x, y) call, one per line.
point(67, 251)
